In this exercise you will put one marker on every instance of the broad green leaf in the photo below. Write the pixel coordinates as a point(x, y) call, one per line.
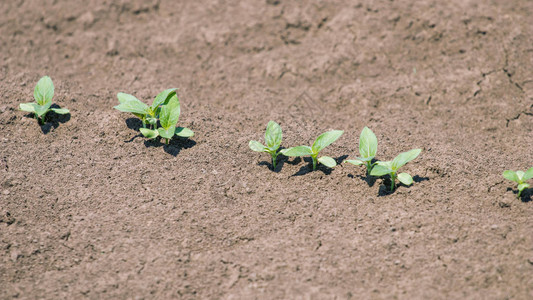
point(123, 97)
point(163, 98)
point(297, 151)
point(523, 186)
point(151, 134)
point(368, 143)
point(256, 146)
point(520, 175)
point(405, 178)
point(184, 132)
point(326, 139)
point(404, 158)
point(29, 107)
point(167, 133)
point(136, 107)
point(170, 113)
point(41, 110)
point(273, 135)
point(387, 164)
point(44, 91)
point(354, 162)
point(327, 161)
point(528, 174)
point(510, 175)
point(380, 170)
point(60, 111)
point(365, 159)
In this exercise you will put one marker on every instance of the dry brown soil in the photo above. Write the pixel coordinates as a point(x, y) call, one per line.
point(91, 209)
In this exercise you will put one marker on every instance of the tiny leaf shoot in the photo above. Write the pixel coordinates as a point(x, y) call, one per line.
point(520, 178)
point(273, 137)
point(147, 114)
point(368, 147)
point(43, 94)
point(321, 142)
point(391, 168)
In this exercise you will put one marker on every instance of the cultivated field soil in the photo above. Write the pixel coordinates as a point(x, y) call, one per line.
point(90, 209)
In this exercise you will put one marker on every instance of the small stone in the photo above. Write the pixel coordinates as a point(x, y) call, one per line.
point(5, 192)
point(397, 262)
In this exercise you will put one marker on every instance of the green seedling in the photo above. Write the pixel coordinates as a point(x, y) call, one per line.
point(273, 135)
point(520, 178)
point(368, 146)
point(43, 94)
point(147, 114)
point(168, 119)
point(321, 142)
point(391, 168)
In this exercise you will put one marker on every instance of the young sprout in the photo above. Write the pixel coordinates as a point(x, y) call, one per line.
point(391, 168)
point(168, 118)
point(520, 178)
point(321, 142)
point(147, 114)
point(368, 146)
point(273, 137)
point(43, 94)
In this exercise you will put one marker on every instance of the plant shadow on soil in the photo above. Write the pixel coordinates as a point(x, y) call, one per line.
point(174, 146)
point(51, 120)
point(527, 194)
point(384, 189)
point(281, 160)
point(307, 168)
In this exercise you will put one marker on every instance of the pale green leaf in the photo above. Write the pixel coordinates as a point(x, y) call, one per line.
point(326, 139)
point(41, 110)
point(297, 151)
point(520, 175)
point(163, 98)
point(368, 143)
point(523, 186)
point(44, 91)
point(256, 146)
point(273, 135)
point(327, 161)
point(365, 159)
point(133, 106)
point(405, 178)
point(60, 111)
point(510, 175)
point(354, 162)
point(28, 107)
point(167, 133)
point(170, 113)
point(123, 97)
point(380, 170)
point(387, 164)
point(151, 134)
point(184, 132)
point(404, 158)
point(528, 174)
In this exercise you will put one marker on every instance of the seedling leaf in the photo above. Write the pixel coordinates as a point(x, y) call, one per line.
point(166, 133)
point(135, 106)
point(44, 91)
point(163, 98)
point(326, 139)
point(297, 151)
point(170, 114)
point(273, 135)
point(60, 111)
point(256, 146)
point(520, 175)
point(510, 175)
point(528, 174)
point(368, 143)
point(41, 110)
point(123, 97)
point(380, 170)
point(327, 161)
point(405, 178)
point(404, 158)
point(523, 186)
point(184, 132)
point(354, 162)
point(151, 134)
point(28, 107)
